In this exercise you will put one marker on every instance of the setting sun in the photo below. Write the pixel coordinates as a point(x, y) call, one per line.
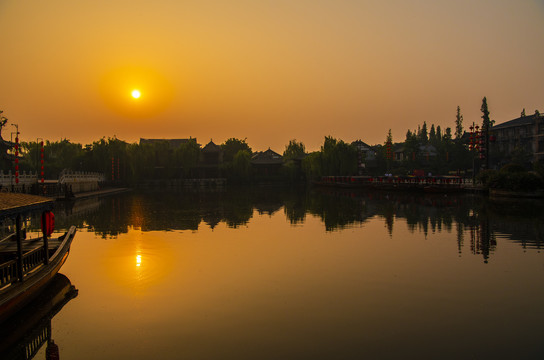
point(136, 94)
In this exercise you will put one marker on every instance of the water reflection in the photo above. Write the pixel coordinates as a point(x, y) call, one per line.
point(137, 261)
point(477, 218)
point(284, 273)
point(24, 335)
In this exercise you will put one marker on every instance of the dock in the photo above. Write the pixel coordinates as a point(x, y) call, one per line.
point(98, 193)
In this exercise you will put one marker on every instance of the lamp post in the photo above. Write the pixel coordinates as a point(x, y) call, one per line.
point(474, 145)
point(39, 158)
point(16, 153)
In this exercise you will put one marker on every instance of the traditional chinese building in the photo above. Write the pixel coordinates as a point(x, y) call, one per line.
point(6, 160)
point(211, 157)
point(173, 143)
point(266, 165)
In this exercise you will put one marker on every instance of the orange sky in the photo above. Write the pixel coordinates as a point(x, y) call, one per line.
point(265, 70)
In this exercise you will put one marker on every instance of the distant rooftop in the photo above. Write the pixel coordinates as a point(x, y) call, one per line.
point(211, 147)
point(360, 144)
point(174, 143)
point(521, 121)
point(266, 157)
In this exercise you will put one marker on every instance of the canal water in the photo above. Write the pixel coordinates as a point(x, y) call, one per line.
point(270, 273)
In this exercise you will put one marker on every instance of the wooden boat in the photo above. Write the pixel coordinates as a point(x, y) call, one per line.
point(27, 266)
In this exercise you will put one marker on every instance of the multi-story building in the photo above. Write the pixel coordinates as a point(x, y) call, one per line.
point(522, 138)
point(366, 156)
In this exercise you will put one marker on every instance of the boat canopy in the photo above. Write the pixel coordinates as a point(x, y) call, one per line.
point(13, 204)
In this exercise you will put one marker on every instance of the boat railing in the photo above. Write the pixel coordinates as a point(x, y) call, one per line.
point(8, 273)
point(33, 259)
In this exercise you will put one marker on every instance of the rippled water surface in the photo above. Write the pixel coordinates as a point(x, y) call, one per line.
point(272, 273)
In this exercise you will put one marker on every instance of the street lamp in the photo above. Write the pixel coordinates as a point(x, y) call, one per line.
point(16, 153)
point(39, 145)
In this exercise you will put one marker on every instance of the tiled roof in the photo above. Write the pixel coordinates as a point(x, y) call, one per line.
point(267, 157)
point(360, 143)
point(211, 147)
point(174, 143)
point(15, 203)
point(521, 121)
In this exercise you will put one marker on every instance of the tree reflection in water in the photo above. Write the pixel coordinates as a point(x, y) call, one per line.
point(468, 215)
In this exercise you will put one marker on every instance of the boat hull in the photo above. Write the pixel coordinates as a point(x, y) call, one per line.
point(17, 295)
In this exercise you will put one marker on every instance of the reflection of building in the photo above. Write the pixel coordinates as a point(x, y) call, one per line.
point(524, 135)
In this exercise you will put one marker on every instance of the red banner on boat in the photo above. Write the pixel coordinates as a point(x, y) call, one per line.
point(48, 222)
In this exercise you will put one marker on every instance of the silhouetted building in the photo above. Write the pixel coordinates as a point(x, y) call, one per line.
point(427, 152)
point(211, 157)
point(266, 165)
point(523, 136)
point(366, 156)
point(211, 154)
point(174, 143)
point(6, 160)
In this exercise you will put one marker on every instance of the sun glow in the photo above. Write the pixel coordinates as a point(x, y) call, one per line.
point(149, 92)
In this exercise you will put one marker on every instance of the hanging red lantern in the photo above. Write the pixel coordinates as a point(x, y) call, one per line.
point(48, 222)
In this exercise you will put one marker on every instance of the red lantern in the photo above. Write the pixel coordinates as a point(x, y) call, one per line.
point(48, 222)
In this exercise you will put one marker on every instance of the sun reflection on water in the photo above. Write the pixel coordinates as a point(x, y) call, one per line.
point(137, 261)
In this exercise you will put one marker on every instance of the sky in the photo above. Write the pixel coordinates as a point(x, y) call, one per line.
point(267, 71)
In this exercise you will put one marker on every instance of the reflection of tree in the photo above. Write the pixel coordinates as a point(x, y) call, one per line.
point(337, 212)
point(520, 220)
point(436, 213)
point(337, 208)
point(482, 240)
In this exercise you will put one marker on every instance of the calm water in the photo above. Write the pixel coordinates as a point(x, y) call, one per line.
point(270, 274)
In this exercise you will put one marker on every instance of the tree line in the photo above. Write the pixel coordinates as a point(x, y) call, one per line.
point(427, 148)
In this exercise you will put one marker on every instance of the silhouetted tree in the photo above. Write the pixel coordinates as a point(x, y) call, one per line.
point(486, 124)
point(423, 135)
point(232, 146)
point(3, 120)
point(432, 134)
point(458, 124)
point(241, 165)
point(187, 156)
point(293, 150)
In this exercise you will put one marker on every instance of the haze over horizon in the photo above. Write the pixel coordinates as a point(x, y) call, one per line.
point(268, 71)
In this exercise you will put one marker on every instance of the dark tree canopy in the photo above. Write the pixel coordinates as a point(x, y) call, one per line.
point(232, 146)
point(294, 149)
point(458, 124)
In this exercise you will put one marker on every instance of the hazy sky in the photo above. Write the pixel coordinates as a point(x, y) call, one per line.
point(268, 71)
